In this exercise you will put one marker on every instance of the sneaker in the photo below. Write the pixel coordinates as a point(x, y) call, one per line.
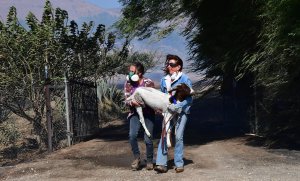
point(135, 165)
point(149, 166)
point(161, 169)
point(179, 169)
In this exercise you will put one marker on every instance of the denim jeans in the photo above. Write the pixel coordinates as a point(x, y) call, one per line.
point(133, 133)
point(162, 156)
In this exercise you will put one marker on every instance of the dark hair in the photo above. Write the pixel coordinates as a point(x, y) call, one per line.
point(177, 59)
point(139, 67)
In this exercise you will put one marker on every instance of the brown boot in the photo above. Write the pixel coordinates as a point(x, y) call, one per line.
point(135, 165)
point(149, 166)
point(179, 169)
point(161, 169)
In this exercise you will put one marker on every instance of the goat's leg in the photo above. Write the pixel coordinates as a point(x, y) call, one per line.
point(169, 143)
point(167, 121)
point(139, 110)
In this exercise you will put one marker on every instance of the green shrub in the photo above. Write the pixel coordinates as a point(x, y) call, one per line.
point(9, 133)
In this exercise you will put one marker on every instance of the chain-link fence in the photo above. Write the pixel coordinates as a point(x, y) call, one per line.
point(73, 101)
point(58, 116)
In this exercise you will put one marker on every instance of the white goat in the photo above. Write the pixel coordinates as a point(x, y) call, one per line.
point(158, 101)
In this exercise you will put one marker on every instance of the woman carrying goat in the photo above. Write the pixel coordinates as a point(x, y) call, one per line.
point(173, 77)
point(136, 79)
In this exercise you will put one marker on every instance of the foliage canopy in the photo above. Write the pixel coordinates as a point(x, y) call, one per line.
point(48, 49)
point(252, 45)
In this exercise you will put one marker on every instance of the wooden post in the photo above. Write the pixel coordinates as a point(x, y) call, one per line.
point(256, 126)
point(48, 109)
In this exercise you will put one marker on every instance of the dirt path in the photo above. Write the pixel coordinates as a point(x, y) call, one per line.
point(100, 159)
point(212, 152)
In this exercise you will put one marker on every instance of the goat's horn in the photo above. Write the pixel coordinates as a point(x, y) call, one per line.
point(192, 91)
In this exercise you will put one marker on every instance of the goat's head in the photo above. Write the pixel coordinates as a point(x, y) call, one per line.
point(182, 91)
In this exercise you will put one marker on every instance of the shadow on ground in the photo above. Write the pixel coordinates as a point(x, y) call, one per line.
point(207, 122)
point(210, 120)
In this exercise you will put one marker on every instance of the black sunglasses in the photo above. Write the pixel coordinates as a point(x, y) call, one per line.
point(172, 65)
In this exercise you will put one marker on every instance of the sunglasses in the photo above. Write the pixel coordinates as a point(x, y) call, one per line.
point(172, 65)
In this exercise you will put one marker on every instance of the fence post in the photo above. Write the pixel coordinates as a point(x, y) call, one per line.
point(48, 109)
point(255, 129)
point(67, 101)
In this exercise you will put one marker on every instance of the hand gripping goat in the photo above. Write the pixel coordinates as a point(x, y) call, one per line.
point(157, 100)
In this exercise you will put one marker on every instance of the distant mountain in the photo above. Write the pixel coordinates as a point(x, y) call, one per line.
point(172, 44)
point(76, 8)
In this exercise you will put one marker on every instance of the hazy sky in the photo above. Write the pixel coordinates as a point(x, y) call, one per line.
point(106, 3)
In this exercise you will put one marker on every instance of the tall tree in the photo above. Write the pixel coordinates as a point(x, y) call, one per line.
point(277, 69)
point(51, 42)
point(252, 45)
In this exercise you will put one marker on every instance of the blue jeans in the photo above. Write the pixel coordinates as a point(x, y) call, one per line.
point(133, 133)
point(162, 156)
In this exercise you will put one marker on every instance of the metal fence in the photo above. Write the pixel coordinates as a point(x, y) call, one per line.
point(84, 109)
point(74, 112)
point(72, 116)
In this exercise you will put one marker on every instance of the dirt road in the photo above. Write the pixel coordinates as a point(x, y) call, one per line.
point(100, 159)
point(212, 152)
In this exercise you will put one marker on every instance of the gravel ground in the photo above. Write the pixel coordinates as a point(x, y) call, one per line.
point(102, 159)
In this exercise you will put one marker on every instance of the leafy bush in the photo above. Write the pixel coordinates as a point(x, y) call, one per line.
point(9, 133)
